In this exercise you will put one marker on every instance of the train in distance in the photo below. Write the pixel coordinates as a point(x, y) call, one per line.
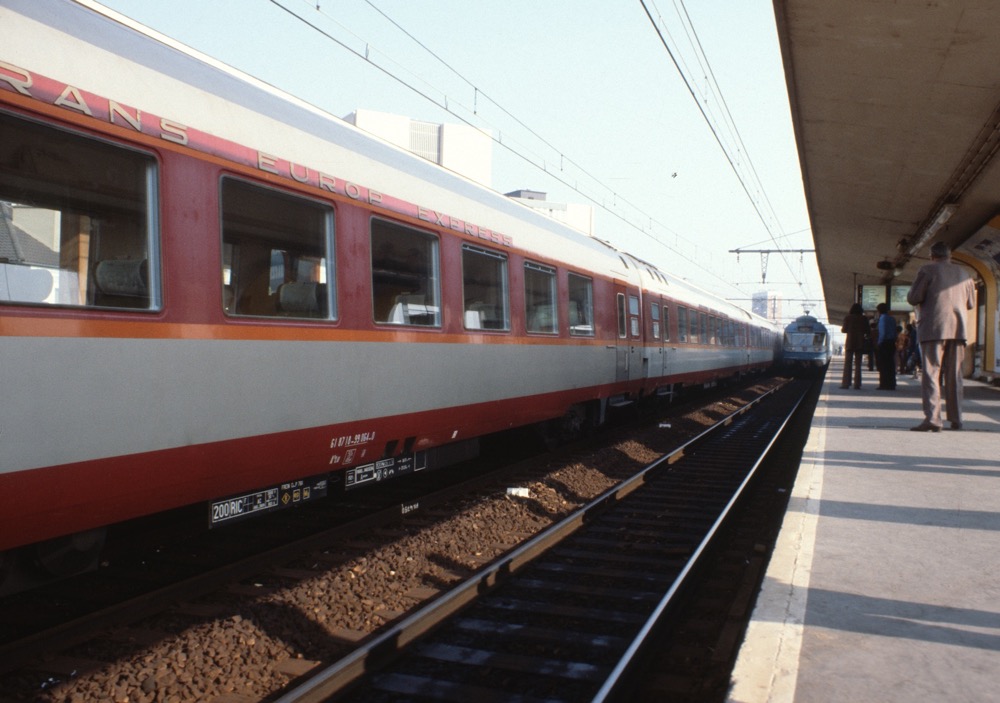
point(806, 344)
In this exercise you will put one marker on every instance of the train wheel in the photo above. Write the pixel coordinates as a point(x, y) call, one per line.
point(72, 554)
point(578, 421)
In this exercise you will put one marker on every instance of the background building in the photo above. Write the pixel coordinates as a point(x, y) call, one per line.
point(767, 304)
point(467, 151)
point(457, 147)
point(576, 215)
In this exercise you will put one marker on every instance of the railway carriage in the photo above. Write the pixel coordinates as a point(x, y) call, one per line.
point(213, 292)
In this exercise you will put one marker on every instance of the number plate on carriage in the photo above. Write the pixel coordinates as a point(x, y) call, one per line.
point(266, 500)
point(381, 470)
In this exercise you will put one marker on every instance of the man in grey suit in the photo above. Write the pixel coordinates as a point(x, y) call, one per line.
point(943, 293)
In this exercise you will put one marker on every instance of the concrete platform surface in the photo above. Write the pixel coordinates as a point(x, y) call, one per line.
point(884, 584)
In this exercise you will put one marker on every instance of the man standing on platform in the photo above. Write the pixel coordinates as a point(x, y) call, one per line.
point(886, 349)
point(943, 293)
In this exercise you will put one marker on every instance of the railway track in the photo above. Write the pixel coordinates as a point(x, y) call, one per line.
point(245, 631)
point(563, 617)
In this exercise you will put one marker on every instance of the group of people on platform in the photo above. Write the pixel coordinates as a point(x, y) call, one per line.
point(942, 294)
point(892, 348)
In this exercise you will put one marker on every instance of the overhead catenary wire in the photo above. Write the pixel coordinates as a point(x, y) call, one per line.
point(617, 201)
point(735, 155)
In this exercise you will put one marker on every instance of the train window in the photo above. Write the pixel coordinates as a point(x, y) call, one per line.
point(693, 327)
point(275, 249)
point(484, 289)
point(633, 314)
point(78, 220)
point(405, 275)
point(666, 323)
point(703, 320)
point(654, 316)
point(682, 323)
point(581, 305)
point(540, 298)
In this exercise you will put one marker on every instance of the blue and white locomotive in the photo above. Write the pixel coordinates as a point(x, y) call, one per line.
point(806, 344)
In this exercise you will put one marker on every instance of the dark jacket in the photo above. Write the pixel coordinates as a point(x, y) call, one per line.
point(856, 328)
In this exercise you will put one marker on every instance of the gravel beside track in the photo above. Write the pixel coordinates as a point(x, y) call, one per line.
point(250, 642)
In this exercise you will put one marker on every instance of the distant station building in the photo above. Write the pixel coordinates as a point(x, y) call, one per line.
point(468, 152)
point(576, 215)
point(767, 304)
point(457, 147)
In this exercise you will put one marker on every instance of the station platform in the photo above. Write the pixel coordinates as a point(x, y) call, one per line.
point(884, 584)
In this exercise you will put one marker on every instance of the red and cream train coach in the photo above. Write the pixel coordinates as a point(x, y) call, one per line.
point(213, 292)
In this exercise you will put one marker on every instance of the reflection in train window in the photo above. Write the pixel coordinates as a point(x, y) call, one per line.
point(405, 276)
point(275, 249)
point(581, 305)
point(77, 220)
point(484, 289)
point(540, 297)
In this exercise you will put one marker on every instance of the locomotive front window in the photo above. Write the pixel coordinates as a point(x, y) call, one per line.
point(77, 220)
point(540, 297)
point(275, 249)
point(405, 276)
point(581, 305)
point(484, 289)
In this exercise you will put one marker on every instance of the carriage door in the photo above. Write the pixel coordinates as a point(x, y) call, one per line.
point(655, 336)
point(638, 363)
point(622, 353)
point(632, 361)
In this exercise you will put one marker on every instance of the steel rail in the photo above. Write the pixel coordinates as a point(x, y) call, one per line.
point(628, 659)
point(379, 651)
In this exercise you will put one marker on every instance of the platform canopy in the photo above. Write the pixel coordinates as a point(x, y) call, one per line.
point(896, 110)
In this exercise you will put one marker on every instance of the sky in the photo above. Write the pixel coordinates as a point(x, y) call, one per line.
point(585, 102)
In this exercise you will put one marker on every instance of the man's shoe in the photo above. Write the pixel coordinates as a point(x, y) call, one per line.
point(926, 427)
point(956, 425)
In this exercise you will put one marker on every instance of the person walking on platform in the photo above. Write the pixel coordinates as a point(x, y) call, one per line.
point(943, 293)
point(886, 349)
point(856, 328)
